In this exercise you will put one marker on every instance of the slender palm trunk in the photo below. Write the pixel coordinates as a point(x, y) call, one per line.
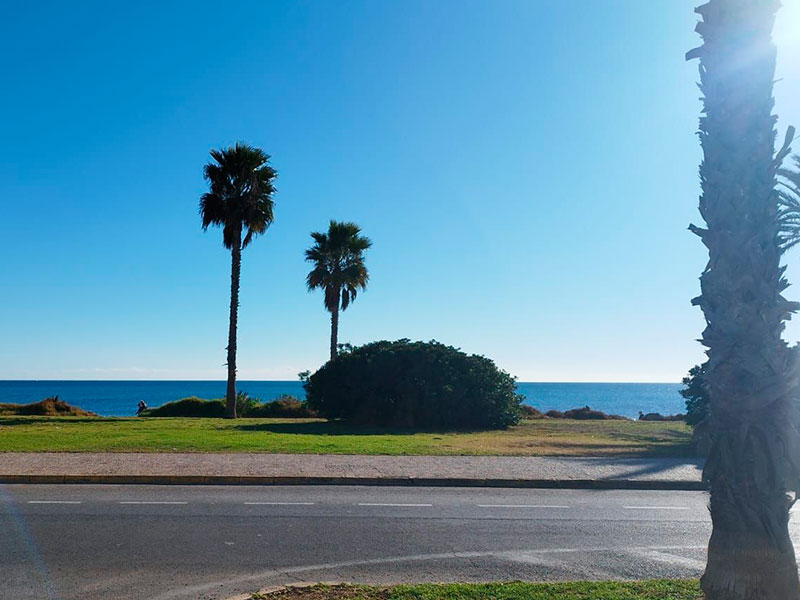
point(236, 269)
point(751, 376)
point(334, 332)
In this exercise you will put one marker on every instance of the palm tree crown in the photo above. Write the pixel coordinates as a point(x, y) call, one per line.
point(338, 259)
point(339, 269)
point(240, 195)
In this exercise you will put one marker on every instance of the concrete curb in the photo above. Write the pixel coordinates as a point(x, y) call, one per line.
point(569, 484)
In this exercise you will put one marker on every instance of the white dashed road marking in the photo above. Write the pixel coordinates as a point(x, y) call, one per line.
point(54, 501)
point(656, 507)
point(380, 504)
point(521, 506)
point(279, 503)
point(142, 502)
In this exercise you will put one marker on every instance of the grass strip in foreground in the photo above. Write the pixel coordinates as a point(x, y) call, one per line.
point(661, 589)
point(544, 437)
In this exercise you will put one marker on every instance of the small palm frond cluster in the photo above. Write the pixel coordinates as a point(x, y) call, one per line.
point(789, 214)
point(338, 259)
point(240, 195)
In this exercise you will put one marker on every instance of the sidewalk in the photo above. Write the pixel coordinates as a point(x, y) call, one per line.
point(330, 469)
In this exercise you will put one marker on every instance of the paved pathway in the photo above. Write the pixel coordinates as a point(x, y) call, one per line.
point(672, 473)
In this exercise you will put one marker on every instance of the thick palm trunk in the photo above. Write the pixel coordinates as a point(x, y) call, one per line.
point(750, 554)
point(334, 332)
point(236, 268)
point(751, 376)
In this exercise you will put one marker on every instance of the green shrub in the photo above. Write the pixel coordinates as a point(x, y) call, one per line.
point(695, 395)
point(188, 407)
point(245, 404)
point(660, 417)
point(587, 414)
point(283, 407)
point(414, 384)
point(583, 414)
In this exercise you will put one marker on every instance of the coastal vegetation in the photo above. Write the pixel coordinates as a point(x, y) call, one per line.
point(339, 270)
point(695, 395)
point(540, 437)
point(285, 407)
point(422, 385)
point(583, 414)
point(189, 407)
point(239, 200)
point(49, 407)
point(750, 375)
point(662, 589)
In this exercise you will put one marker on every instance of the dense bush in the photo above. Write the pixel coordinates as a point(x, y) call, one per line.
point(587, 413)
point(660, 417)
point(583, 414)
point(283, 407)
point(416, 385)
point(49, 407)
point(188, 407)
point(695, 395)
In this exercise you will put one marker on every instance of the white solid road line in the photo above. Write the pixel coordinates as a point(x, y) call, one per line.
point(154, 502)
point(656, 507)
point(280, 503)
point(54, 501)
point(521, 506)
point(392, 504)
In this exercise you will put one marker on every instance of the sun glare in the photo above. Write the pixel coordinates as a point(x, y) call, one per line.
point(787, 30)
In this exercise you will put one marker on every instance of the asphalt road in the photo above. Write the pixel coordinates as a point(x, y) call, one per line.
point(86, 542)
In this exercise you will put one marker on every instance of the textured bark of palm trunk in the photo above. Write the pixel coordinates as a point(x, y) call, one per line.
point(334, 333)
point(750, 554)
point(739, 570)
point(236, 267)
point(751, 377)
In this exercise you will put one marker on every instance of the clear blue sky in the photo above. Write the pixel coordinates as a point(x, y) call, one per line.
point(526, 170)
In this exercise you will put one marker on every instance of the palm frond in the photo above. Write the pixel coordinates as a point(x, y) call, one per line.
point(337, 256)
point(240, 196)
point(789, 206)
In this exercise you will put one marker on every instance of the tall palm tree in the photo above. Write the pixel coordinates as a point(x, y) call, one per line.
point(240, 201)
point(751, 377)
point(339, 269)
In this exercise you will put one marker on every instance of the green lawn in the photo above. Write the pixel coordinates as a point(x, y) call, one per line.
point(546, 437)
point(673, 589)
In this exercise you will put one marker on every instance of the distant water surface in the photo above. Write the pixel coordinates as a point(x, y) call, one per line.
point(625, 399)
point(120, 398)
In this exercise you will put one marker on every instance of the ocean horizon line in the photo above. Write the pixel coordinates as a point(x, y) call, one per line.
point(590, 382)
point(120, 397)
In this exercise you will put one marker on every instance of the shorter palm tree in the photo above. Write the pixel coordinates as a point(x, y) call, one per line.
point(339, 269)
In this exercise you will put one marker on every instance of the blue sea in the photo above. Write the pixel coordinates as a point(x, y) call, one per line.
point(120, 398)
